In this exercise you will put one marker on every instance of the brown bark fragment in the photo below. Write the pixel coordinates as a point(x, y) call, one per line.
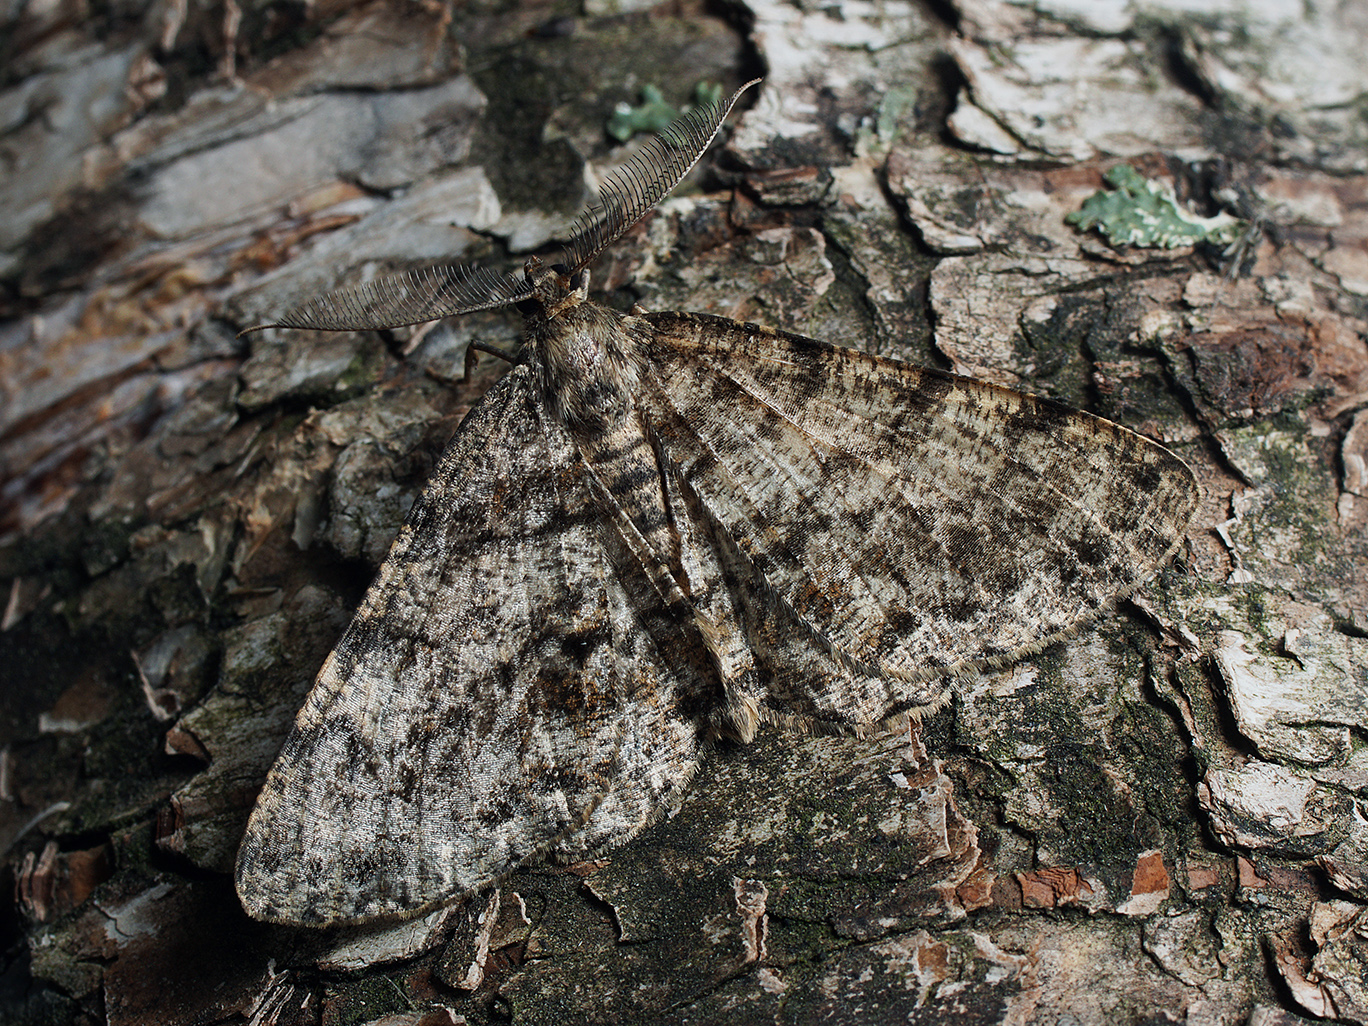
point(1048, 888)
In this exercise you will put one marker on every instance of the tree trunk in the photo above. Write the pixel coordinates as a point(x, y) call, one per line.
point(1161, 816)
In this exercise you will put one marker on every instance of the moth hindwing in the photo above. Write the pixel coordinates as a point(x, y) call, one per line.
point(662, 528)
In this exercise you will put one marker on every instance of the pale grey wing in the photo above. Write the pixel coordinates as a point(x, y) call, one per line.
point(914, 522)
point(669, 685)
point(475, 710)
point(796, 678)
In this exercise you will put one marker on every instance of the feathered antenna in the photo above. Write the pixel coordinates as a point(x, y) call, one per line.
point(412, 297)
point(430, 293)
point(647, 178)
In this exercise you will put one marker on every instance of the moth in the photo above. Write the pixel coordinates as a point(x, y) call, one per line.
point(656, 531)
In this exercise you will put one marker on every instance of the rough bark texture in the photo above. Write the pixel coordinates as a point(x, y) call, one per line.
point(1161, 819)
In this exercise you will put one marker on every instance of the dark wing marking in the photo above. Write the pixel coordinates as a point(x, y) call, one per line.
point(796, 678)
point(482, 702)
point(915, 522)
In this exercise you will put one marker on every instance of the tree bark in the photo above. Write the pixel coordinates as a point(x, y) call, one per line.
point(1162, 815)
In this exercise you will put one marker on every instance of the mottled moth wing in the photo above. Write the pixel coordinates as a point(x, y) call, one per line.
point(915, 523)
point(459, 728)
point(451, 735)
point(661, 528)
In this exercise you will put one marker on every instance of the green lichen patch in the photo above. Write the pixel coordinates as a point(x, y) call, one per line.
point(370, 999)
point(1145, 213)
point(653, 114)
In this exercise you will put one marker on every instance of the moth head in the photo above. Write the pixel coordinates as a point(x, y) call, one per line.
point(553, 289)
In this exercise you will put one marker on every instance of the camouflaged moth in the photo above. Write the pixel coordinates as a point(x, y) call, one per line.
point(660, 529)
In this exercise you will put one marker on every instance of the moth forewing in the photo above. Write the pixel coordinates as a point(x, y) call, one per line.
point(656, 530)
point(918, 522)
